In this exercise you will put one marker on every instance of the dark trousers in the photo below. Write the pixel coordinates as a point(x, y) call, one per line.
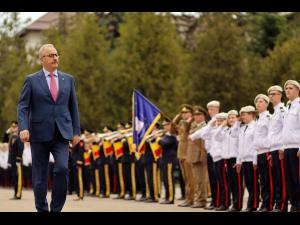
point(78, 180)
point(87, 178)
point(104, 179)
point(119, 179)
point(40, 152)
point(151, 170)
point(27, 176)
point(2, 178)
point(17, 179)
point(214, 187)
point(292, 167)
point(129, 178)
point(266, 181)
point(236, 184)
point(279, 183)
point(222, 179)
point(140, 172)
point(251, 180)
point(168, 179)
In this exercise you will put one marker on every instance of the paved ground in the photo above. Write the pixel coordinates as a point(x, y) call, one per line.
point(89, 204)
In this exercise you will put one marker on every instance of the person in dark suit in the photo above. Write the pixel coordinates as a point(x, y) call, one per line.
point(48, 117)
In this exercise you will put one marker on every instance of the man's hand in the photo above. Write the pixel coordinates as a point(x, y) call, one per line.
point(281, 154)
point(298, 154)
point(238, 167)
point(269, 158)
point(24, 135)
point(75, 140)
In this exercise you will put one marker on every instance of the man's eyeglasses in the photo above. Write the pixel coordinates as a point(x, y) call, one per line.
point(272, 94)
point(52, 55)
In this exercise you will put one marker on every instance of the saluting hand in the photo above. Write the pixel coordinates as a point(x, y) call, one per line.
point(24, 135)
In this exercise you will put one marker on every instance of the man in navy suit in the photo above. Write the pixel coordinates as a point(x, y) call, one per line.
point(48, 117)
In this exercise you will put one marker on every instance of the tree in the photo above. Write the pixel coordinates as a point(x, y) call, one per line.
point(13, 64)
point(265, 31)
point(84, 54)
point(149, 58)
point(219, 67)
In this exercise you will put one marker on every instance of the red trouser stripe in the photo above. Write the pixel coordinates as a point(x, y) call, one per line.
point(218, 195)
point(271, 182)
point(225, 184)
point(255, 200)
point(239, 191)
point(283, 185)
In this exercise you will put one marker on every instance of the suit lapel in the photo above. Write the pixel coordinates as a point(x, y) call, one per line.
point(44, 84)
point(61, 84)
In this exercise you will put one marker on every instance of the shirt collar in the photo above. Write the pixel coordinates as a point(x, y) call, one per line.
point(264, 113)
point(46, 72)
point(277, 107)
point(295, 100)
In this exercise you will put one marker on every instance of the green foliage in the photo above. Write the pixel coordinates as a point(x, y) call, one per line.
point(219, 65)
point(265, 31)
point(235, 58)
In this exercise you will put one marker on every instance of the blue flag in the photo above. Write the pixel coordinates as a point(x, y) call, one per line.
point(145, 116)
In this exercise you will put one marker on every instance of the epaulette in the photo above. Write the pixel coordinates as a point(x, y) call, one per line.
point(123, 140)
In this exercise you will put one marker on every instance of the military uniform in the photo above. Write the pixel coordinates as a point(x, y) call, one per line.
point(27, 168)
point(16, 148)
point(197, 158)
point(204, 133)
point(77, 164)
point(229, 138)
point(183, 128)
point(247, 158)
point(151, 174)
point(275, 139)
point(169, 146)
point(128, 161)
point(290, 139)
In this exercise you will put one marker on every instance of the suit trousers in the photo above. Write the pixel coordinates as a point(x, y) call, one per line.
point(40, 158)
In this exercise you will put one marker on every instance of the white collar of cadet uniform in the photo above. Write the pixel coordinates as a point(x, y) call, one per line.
point(168, 133)
point(264, 113)
point(46, 72)
point(251, 123)
point(278, 106)
point(295, 101)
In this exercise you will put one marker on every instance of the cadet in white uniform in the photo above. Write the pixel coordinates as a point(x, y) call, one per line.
point(220, 164)
point(262, 146)
point(291, 142)
point(276, 148)
point(247, 157)
point(228, 133)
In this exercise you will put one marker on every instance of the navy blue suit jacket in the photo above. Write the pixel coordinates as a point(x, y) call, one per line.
point(38, 113)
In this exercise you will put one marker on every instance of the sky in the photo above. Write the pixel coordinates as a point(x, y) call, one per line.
point(32, 15)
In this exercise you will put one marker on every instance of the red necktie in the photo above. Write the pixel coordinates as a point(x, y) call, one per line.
point(53, 86)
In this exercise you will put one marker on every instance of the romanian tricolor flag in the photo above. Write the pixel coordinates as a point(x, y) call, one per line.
point(156, 149)
point(145, 116)
point(108, 148)
point(119, 149)
point(96, 151)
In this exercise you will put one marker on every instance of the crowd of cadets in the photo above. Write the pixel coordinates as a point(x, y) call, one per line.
point(218, 155)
